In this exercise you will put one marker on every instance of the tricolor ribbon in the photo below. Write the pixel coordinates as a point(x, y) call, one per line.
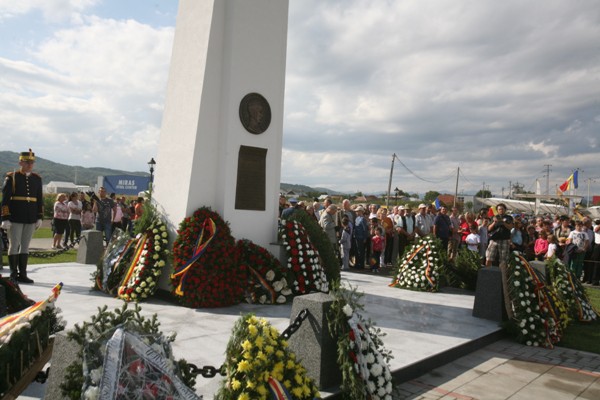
point(278, 391)
point(138, 253)
point(210, 229)
point(10, 321)
point(265, 285)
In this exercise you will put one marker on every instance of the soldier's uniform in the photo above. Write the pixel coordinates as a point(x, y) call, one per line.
point(22, 205)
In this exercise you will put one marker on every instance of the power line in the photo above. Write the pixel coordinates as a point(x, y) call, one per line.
point(423, 179)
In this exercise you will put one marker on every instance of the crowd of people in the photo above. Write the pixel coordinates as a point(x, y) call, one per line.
point(74, 213)
point(373, 236)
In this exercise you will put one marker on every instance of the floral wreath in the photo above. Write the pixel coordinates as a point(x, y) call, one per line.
point(257, 355)
point(535, 320)
point(25, 333)
point(363, 360)
point(571, 291)
point(267, 279)
point(303, 259)
point(150, 256)
point(84, 376)
point(419, 269)
point(206, 272)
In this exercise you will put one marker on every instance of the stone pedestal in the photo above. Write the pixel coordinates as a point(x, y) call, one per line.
point(91, 247)
point(64, 354)
point(489, 297)
point(312, 343)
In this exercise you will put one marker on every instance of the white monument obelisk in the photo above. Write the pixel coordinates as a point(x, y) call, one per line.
point(221, 135)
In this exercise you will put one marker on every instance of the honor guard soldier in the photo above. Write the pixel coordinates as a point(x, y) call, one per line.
point(22, 212)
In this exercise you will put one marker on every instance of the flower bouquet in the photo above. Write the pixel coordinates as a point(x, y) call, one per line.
point(363, 360)
point(125, 354)
point(419, 269)
point(149, 258)
point(303, 260)
point(571, 292)
point(535, 320)
point(114, 262)
point(206, 272)
point(267, 279)
point(256, 355)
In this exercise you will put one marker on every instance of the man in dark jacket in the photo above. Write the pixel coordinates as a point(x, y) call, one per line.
point(22, 212)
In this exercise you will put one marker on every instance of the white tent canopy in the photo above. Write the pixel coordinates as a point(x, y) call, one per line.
point(524, 207)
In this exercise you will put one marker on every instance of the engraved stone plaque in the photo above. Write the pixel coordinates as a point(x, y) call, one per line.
point(255, 113)
point(251, 177)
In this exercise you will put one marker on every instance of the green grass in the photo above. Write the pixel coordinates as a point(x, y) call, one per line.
point(43, 233)
point(584, 335)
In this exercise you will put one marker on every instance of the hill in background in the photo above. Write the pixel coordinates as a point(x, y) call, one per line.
point(52, 171)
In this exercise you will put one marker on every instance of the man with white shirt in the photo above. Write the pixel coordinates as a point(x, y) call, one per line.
point(405, 228)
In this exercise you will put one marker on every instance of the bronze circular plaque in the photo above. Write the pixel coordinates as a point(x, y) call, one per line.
point(255, 113)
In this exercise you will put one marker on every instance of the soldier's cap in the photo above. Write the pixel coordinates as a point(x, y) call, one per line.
point(27, 156)
point(293, 201)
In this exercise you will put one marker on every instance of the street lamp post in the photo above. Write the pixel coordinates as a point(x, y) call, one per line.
point(151, 165)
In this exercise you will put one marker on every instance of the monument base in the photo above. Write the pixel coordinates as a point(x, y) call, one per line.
point(91, 247)
point(489, 296)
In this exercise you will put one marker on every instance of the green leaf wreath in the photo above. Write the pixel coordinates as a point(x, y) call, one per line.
point(83, 381)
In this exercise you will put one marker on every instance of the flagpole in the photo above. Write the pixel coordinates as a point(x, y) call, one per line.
point(456, 188)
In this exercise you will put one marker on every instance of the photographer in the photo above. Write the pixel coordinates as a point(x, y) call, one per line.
point(499, 248)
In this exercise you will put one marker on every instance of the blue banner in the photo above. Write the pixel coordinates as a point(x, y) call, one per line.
point(128, 185)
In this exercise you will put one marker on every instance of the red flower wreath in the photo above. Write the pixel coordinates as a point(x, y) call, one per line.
point(214, 280)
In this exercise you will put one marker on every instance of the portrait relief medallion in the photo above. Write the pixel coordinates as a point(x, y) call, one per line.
point(255, 113)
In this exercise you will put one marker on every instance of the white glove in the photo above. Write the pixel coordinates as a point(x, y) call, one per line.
point(38, 224)
point(6, 225)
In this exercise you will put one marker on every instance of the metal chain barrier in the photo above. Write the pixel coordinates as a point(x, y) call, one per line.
point(211, 372)
point(54, 253)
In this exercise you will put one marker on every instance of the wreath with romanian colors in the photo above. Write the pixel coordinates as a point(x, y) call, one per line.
point(149, 258)
point(215, 279)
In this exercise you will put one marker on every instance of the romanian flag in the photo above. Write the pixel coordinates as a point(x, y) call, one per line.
point(570, 183)
point(492, 211)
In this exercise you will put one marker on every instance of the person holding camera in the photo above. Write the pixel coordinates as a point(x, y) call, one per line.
point(499, 248)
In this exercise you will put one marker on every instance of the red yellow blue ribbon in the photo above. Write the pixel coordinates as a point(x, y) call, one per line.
point(210, 229)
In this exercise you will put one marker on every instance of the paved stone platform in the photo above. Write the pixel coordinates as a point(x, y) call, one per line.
point(436, 343)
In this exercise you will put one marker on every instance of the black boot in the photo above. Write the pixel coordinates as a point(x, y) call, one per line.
point(13, 262)
point(23, 269)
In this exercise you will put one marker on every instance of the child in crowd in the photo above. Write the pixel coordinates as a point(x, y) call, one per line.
point(473, 239)
point(541, 246)
point(345, 243)
point(87, 217)
point(552, 247)
point(377, 246)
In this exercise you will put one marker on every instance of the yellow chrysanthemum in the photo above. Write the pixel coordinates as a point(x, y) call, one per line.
point(279, 354)
point(269, 349)
point(235, 384)
point(263, 321)
point(290, 364)
point(243, 366)
point(278, 367)
point(287, 383)
point(252, 320)
point(274, 333)
point(244, 396)
point(262, 390)
point(247, 355)
point(297, 391)
point(247, 345)
point(250, 384)
point(298, 379)
point(259, 342)
point(262, 356)
point(305, 390)
point(284, 344)
point(252, 330)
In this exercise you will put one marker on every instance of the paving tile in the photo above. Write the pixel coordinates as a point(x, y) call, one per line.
point(592, 392)
point(491, 387)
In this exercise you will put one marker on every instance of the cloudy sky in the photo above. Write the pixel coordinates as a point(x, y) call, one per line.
point(499, 89)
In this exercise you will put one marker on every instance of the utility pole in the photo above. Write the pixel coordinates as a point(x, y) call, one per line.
point(387, 201)
point(456, 188)
point(547, 178)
